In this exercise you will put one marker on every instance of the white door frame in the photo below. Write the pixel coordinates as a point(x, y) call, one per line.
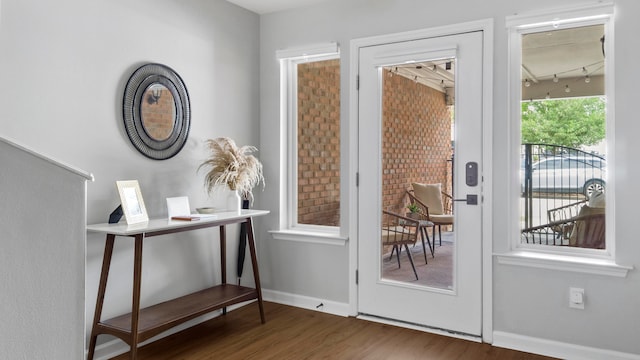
point(487, 154)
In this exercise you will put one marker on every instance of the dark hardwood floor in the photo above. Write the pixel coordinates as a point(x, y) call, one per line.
point(294, 333)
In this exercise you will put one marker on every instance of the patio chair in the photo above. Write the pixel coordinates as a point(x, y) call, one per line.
point(398, 231)
point(561, 214)
point(435, 205)
point(423, 227)
point(579, 224)
point(588, 230)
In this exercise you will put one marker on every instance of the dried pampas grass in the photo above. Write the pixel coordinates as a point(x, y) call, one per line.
point(232, 166)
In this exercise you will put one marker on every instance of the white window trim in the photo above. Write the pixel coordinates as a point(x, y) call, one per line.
point(289, 229)
point(540, 256)
point(570, 263)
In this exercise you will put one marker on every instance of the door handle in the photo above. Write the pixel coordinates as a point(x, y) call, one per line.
point(470, 200)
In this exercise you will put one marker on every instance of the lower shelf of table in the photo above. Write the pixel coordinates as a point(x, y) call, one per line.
point(163, 316)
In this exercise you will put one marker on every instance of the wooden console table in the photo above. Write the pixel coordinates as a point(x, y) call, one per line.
point(143, 324)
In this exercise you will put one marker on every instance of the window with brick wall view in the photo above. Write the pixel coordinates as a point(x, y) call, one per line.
point(318, 143)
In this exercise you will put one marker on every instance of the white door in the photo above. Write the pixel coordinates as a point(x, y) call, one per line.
point(454, 306)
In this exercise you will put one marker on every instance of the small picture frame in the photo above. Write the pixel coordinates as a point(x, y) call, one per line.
point(132, 202)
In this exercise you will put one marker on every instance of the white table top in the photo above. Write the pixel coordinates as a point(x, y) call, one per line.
point(161, 224)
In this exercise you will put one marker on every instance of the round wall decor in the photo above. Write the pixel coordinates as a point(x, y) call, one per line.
point(156, 111)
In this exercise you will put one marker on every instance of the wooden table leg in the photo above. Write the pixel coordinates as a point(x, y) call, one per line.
point(223, 259)
point(254, 264)
point(135, 306)
point(104, 275)
point(223, 254)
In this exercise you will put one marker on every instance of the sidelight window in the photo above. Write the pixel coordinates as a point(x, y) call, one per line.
point(561, 101)
point(310, 82)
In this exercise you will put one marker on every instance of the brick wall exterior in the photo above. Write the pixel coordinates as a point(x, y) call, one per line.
point(319, 143)
point(158, 117)
point(416, 138)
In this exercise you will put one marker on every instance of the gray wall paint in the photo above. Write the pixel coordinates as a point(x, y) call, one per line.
point(527, 301)
point(63, 69)
point(42, 218)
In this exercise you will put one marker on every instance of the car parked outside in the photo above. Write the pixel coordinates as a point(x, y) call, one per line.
point(568, 174)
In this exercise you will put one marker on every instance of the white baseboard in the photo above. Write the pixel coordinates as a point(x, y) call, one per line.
point(556, 348)
point(306, 302)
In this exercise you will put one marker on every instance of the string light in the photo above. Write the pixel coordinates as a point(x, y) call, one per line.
point(574, 74)
point(566, 75)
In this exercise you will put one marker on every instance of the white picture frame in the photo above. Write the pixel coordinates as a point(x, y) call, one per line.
point(132, 201)
point(178, 206)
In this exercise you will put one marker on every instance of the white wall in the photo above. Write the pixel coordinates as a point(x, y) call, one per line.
point(63, 68)
point(528, 302)
point(43, 218)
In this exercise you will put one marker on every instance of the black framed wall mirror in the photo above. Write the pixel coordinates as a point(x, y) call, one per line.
point(156, 111)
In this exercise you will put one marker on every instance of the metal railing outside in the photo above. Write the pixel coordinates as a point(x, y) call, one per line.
point(552, 177)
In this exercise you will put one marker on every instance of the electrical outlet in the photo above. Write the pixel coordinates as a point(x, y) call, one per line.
point(576, 298)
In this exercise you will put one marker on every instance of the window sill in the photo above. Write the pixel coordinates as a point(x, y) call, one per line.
point(564, 263)
point(314, 237)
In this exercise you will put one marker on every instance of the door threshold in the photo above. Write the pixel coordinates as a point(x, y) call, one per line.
point(419, 327)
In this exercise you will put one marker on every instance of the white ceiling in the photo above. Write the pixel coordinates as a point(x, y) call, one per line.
point(269, 6)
